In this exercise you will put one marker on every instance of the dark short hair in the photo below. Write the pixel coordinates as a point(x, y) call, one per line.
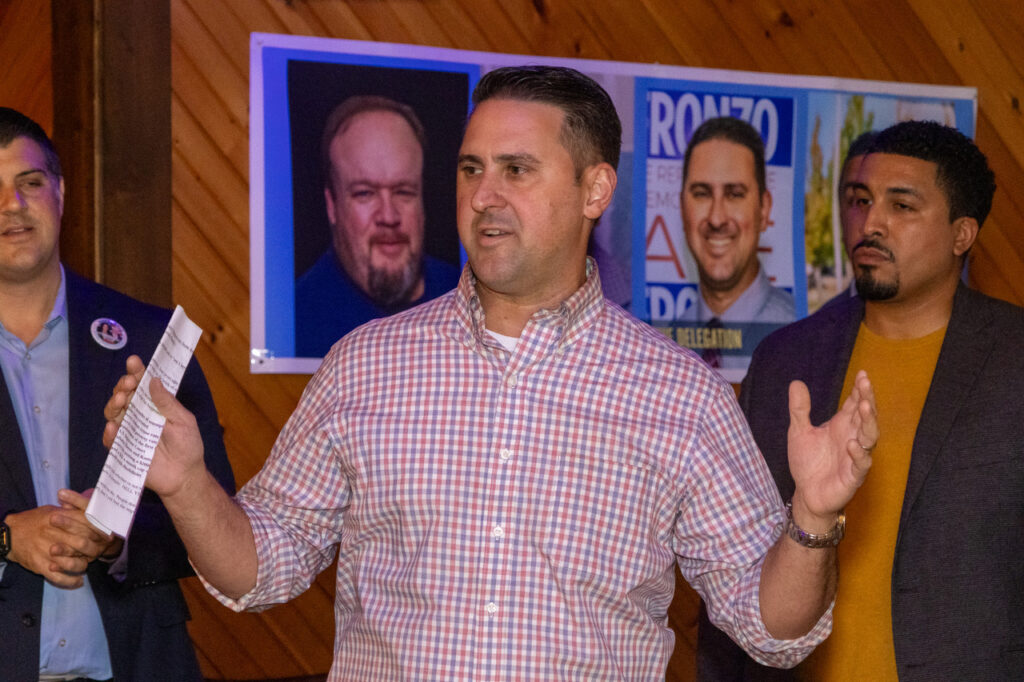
point(733, 130)
point(14, 124)
point(341, 116)
point(962, 171)
point(861, 145)
point(591, 131)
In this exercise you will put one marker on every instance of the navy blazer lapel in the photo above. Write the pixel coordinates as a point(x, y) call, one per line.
point(965, 349)
point(832, 357)
point(90, 368)
point(16, 489)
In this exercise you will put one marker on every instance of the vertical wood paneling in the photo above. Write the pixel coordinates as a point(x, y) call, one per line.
point(25, 59)
point(973, 43)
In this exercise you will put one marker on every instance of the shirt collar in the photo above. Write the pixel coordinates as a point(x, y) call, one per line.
point(746, 307)
point(573, 315)
point(58, 313)
point(60, 304)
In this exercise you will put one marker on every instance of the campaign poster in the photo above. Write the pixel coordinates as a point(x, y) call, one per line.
point(640, 245)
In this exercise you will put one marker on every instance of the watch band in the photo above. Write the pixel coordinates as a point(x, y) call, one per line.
point(815, 540)
point(5, 538)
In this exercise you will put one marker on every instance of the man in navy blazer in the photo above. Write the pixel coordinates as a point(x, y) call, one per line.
point(951, 597)
point(75, 603)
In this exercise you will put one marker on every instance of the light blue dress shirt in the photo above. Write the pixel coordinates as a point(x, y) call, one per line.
point(758, 311)
point(72, 639)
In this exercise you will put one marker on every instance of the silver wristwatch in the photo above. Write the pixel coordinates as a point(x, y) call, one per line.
point(815, 540)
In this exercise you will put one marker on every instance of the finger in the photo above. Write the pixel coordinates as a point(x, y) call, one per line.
point(69, 499)
point(165, 401)
point(66, 572)
point(860, 459)
point(799, 405)
point(867, 412)
point(63, 580)
point(109, 433)
point(118, 401)
point(79, 530)
point(135, 366)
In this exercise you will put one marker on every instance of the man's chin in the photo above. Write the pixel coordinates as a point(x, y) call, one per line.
point(393, 288)
point(872, 289)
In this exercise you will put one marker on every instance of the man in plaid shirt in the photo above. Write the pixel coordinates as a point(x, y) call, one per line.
point(511, 472)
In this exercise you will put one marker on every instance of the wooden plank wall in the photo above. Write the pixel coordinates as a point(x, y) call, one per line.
point(25, 59)
point(970, 42)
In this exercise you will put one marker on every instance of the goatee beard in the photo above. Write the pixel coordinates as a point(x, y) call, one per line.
point(871, 289)
point(390, 288)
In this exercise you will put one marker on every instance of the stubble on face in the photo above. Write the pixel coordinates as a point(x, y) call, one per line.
point(30, 215)
point(724, 213)
point(871, 286)
point(376, 208)
point(520, 206)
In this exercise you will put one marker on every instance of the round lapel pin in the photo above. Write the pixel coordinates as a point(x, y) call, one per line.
point(108, 333)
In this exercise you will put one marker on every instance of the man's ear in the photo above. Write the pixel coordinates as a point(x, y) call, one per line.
point(966, 233)
point(329, 201)
point(599, 180)
point(766, 209)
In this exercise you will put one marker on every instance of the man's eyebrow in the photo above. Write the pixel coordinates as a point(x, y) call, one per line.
point(510, 158)
point(521, 157)
point(31, 171)
point(854, 184)
point(904, 191)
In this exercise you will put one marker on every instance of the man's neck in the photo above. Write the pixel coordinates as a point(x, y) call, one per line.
point(509, 314)
point(720, 301)
point(911, 319)
point(26, 306)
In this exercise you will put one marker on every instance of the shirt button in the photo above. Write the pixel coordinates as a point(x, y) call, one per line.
point(511, 381)
point(504, 454)
point(36, 409)
point(62, 642)
point(497, 531)
point(46, 464)
point(491, 608)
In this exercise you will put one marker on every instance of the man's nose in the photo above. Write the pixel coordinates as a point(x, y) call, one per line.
point(716, 212)
point(11, 199)
point(486, 192)
point(876, 220)
point(388, 213)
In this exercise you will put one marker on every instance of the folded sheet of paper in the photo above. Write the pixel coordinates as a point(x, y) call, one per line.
point(116, 497)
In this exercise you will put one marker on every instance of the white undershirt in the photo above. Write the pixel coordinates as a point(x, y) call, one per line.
point(509, 342)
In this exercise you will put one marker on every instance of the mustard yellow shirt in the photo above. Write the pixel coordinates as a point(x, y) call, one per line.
point(861, 645)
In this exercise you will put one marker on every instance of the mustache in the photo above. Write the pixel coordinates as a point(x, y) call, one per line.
point(876, 244)
point(492, 218)
point(388, 237)
point(9, 222)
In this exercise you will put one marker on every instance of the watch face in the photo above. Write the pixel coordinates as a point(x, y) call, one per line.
point(5, 540)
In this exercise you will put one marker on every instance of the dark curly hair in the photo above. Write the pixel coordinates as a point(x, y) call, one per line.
point(962, 171)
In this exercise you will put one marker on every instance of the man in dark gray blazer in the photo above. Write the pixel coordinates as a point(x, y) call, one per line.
point(73, 602)
point(952, 606)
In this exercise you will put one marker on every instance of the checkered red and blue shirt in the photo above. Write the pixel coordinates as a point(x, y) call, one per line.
point(516, 515)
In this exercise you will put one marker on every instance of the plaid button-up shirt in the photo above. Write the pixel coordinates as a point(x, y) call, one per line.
point(516, 515)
